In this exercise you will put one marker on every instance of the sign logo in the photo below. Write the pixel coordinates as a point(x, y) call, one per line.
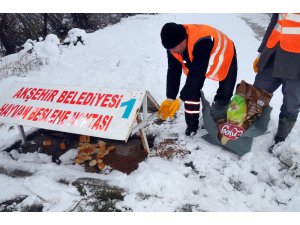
point(231, 131)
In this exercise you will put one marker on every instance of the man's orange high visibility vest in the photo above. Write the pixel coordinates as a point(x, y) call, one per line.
point(221, 54)
point(286, 32)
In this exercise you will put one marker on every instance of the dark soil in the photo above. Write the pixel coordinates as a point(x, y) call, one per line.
point(127, 156)
point(124, 158)
point(35, 143)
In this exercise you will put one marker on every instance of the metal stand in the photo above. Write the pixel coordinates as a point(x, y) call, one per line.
point(145, 107)
point(22, 133)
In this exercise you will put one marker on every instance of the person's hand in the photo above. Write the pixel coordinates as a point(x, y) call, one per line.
point(255, 64)
point(164, 109)
point(174, 107)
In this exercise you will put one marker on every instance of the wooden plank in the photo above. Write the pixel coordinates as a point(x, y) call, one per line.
point(143, 135)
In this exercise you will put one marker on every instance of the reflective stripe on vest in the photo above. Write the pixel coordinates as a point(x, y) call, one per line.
point(281, 16)
point(286, 32)
point(290, 30)
point(293, 17)
point(220, 56)
point(212, 73)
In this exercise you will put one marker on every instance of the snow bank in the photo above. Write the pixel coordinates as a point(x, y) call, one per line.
point(129, 55)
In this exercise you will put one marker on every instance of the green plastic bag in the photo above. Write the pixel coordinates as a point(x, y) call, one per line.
point(237, 110)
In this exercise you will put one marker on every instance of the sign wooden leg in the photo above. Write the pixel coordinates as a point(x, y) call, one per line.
point(143, 135)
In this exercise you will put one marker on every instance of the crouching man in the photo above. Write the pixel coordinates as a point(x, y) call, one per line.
point(201, 52)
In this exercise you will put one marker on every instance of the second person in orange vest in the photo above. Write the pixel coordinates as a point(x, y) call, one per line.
point(201, 52)
point(279, 65)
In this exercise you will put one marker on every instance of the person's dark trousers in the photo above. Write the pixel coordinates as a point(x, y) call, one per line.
point(221, 99)
point(291, 98)
point(224, 93)
point(226, 86)
point(192, 110)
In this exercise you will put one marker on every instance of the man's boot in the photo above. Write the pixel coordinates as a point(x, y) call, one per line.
point(218, 110)
point(192, 122)
point(192, 110)
point(191, 131)
point(285, 126)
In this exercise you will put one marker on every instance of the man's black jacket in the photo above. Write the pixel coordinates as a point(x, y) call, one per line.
point(197, 70)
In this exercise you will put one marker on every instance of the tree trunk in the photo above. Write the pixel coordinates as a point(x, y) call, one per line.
point(81, 20)
point(45, 31)
point(9, 47)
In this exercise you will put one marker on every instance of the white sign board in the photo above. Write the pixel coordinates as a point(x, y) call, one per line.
point(100, 112)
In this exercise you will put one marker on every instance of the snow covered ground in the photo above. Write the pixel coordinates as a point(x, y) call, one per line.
point(129, 55)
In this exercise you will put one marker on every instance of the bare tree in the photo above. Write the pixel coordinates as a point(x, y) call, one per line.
point(81, 20)
point(4, 34)
point(16, 28)
point(45, 30)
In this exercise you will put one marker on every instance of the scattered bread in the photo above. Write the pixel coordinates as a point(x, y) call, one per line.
point(101, 166)
point(62, 146)
point(81, 144)
point(47, 142)
point(102, 144)
point(87, 150)
point(106, 152)
point(110, 148)
point(84, 139)
point(100, 155)
point(81, 158)
point(93, 153)
point(97, 150)
point(93, 162)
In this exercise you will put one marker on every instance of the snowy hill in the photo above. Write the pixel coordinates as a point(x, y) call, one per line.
point(203, 177)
